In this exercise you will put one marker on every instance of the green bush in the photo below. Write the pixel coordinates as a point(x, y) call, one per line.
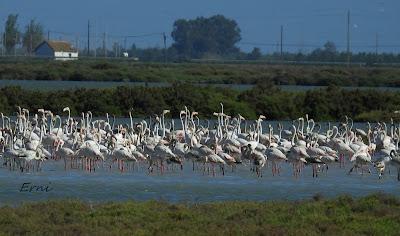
point(376, 214)
point(331, 103)
point(123, 70)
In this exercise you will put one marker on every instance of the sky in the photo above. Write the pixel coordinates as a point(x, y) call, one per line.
point(307, 24)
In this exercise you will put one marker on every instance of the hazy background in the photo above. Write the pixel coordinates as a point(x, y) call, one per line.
point(307, 23)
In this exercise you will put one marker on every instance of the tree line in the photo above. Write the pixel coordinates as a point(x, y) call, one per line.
point(217, 37)
point(327, 104)
point(30, 37)
point(214, 37)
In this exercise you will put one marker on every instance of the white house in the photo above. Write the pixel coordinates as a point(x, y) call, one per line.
point(59, 50)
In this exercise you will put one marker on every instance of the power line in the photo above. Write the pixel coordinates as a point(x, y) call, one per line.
point(144, 35)
point(315, 45)
point(109, 35)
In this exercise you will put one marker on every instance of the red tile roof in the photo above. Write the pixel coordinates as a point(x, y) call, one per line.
point(58, 46)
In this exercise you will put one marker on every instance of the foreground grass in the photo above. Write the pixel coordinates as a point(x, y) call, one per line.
point(372, 215)
point(100, 70)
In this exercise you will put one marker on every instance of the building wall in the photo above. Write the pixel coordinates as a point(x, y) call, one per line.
point(44, 51)
point(66, 56)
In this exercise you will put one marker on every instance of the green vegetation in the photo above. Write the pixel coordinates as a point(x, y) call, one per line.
point(215, 36)
point(30, 38)
point(33, 36)
point(331, 103)
point(11, 35)
point(372, 215)
point(209, 73)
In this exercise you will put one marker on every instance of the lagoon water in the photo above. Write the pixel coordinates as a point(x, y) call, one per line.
point(45, 85)
point(188, 186)
point(191, 186)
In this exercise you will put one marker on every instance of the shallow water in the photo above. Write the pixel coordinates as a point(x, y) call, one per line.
point(188, 186)
point(45, 85)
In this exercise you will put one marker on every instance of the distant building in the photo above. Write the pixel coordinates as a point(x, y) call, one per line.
point(59, 50)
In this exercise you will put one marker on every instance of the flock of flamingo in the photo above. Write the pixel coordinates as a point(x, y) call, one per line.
point(81, 143)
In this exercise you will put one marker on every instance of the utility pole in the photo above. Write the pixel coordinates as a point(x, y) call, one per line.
point(165, 47)
point(376, 47)
point(76, 42)
point(5, 41)
point(48, 35)
point(15, 46)
point(88, 38)
point(95, 42)
point(348, 38)
point(282, 42)
point(30, 40)
point(79, 42)
point(2, 44)
point(104, 45)
point(118, 48)
point(115, 49)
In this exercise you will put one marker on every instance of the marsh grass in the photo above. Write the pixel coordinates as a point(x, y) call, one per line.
point(376, 214)
point(331, 103)
point(121, 70)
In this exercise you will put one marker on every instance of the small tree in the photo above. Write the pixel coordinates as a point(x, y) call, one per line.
point(255, 54)
point(11, 34)
point(198, 37)
point(328, 53)
point(33, 35)
point(330, 47)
